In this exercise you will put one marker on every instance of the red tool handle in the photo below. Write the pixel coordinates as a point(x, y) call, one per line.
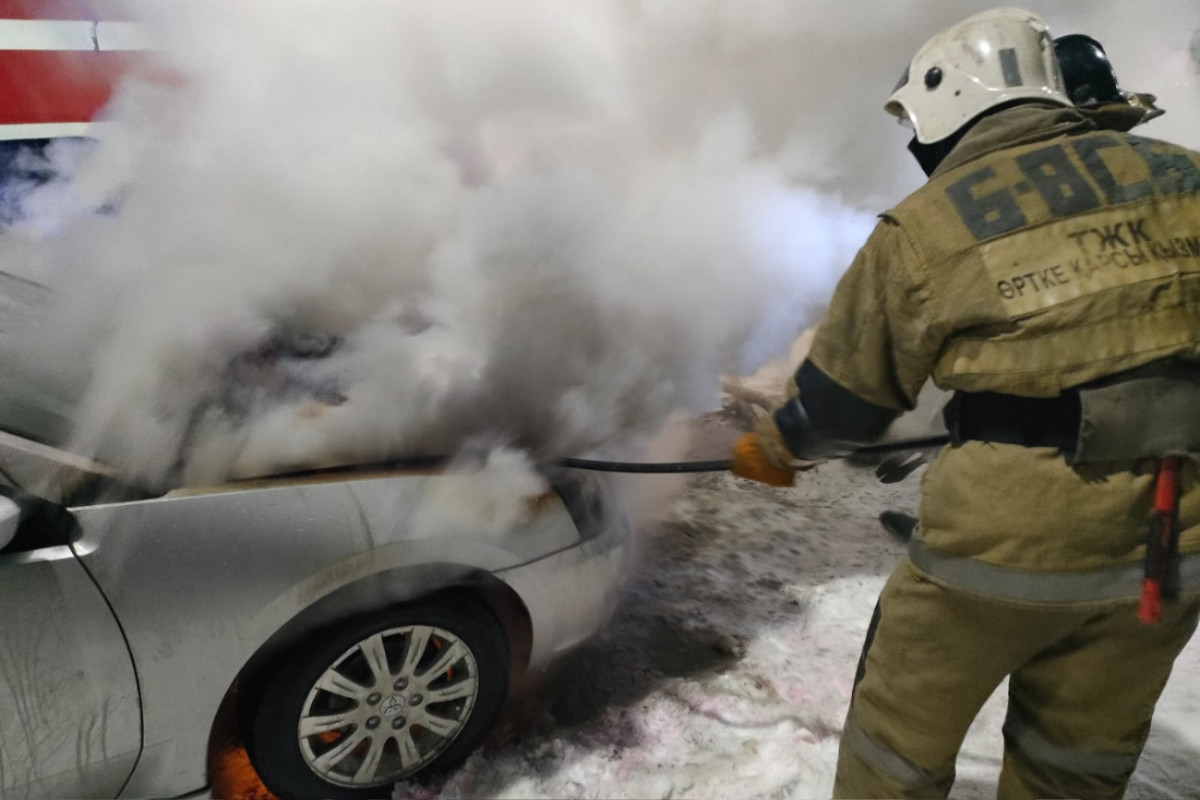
point(1160, 543)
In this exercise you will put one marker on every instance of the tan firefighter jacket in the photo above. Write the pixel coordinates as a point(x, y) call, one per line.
point(1045, 252)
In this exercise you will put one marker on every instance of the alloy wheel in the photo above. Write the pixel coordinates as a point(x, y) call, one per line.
point(388, 706)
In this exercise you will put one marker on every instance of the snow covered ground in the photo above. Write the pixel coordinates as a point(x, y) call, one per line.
point(728, 668)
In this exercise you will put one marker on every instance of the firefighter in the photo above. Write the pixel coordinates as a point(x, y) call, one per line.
point(1090, 82)
point(1048, 274)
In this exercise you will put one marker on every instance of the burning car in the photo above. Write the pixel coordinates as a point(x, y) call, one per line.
point(318, 616)
point(349, 624)
point(353, 645)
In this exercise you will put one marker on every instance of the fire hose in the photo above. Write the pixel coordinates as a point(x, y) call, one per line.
point(723, 465)
point(632, 467)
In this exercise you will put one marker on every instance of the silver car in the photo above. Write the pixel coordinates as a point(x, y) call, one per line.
point(309, 616)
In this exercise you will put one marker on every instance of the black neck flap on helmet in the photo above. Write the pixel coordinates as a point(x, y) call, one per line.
point(932, 154)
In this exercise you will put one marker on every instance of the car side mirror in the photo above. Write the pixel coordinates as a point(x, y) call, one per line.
point(10, 520)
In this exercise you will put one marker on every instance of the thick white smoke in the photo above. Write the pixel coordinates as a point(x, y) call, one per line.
point(362, 229)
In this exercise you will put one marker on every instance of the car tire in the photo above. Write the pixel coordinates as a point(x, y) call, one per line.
point(333, 724)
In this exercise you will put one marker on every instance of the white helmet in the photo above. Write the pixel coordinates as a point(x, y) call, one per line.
point(991, 58)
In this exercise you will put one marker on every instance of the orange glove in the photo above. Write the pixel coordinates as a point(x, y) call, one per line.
point(750, 461)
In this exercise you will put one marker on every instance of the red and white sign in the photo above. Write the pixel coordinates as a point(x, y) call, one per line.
point(60, 61)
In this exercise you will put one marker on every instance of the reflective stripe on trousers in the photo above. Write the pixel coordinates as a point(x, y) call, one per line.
point(887, 762)
point(1029, 741)
point(1119, 582)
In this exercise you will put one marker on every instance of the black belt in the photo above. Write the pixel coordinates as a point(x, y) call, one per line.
point(1009, 419)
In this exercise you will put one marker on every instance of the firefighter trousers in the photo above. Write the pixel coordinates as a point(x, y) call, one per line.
point(1083, 683)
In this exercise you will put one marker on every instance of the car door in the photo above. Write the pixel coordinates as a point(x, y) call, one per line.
point(70, 718)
